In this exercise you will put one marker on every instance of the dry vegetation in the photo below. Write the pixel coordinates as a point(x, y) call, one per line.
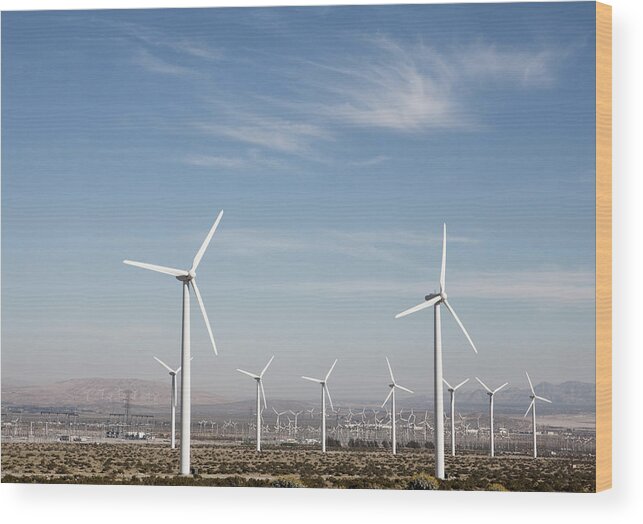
point(242, 466)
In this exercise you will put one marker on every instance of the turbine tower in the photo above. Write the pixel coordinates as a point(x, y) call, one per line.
point(435, 300)
point(187, 279)
point(391, 394)
point(324, 392)
point(532, 406)
point(260, 393)
point(452, 390)
point(491, 395)
point(173, 400)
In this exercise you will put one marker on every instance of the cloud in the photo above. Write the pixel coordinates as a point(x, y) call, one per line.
point(286, 136)
point(381, 245)
point(154, 64)
point(243, 160)
point(215, 161)
point(367, 162)
point(552, 286)
point(416, 87)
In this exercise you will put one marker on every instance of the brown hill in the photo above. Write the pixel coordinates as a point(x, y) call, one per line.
point(98, 393)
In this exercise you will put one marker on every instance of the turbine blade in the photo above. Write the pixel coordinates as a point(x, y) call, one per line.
point(164, 365)
point(484, 385)
point(499, 388)
point(419, 307)
point(319, 381)
point(387, 397)
point(205, 315)
point(446, 383)
point(543, 399)
point(531, 405)
point(158, 269)
point(330, 400)
point(531, 386)
point(444, 259)
point(204, 246)
point(264, 369)
point(461, 384)
point(452, 311)
point(263, 394)
point(403, 388)
point(390, 370)
point(248, 373)
point(330, 370)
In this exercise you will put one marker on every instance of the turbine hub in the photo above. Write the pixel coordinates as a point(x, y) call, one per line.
point(443, 295)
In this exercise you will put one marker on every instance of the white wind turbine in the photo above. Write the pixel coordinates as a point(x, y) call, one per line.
point(324, 393)
point(173, 400)
point(391, 394)
point(491, 395)
point(187, 279)
point(435, 300)
point(452, 390)
point(532, 406)
point(260, 393)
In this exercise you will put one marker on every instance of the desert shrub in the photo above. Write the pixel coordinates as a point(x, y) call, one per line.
point(423, 481)
point(496, 486)
point(287, 482)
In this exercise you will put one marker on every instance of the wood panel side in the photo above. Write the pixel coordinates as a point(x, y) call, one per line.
point(603, 246)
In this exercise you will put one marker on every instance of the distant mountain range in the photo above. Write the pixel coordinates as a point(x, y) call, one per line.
point(98, 394)
point(568, 397)
point(108, 395)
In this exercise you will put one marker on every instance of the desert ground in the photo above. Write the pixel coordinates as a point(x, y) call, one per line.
point(154, 464)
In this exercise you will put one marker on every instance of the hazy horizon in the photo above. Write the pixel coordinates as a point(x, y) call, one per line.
point(337, 140)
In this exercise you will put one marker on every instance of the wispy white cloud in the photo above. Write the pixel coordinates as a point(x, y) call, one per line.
point(216, 161)
point(367, 162)
point(415, 87)
point(287, 136)
point(382, 245)
point(243, 160)
point(552, 286)
point(154, 64)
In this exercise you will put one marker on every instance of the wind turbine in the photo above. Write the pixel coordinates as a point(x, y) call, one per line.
point(491, 395)
point(187, 279)
point(391, 394)
point(452, 390)
point(278, 413)
point(435, 300)
point(324, 393)
point(260, 393)
point(173, 401)
point(532, 406)
point(296, 415)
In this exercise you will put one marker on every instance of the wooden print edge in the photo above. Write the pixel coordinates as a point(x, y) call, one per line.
point(603, 295)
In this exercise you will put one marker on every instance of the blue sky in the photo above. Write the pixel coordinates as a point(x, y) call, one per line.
point(337, 140)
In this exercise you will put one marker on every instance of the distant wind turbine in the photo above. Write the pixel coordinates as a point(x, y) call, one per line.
point(173, 399)
point(260, 393)
point(324, 392)
point(532, 406)
point(187, 278)
point(435, 300)
point(391, 394)
point(452, 390)
point(491, 395)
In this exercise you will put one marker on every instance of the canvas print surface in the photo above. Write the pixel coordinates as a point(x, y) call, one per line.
point(399, 295)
